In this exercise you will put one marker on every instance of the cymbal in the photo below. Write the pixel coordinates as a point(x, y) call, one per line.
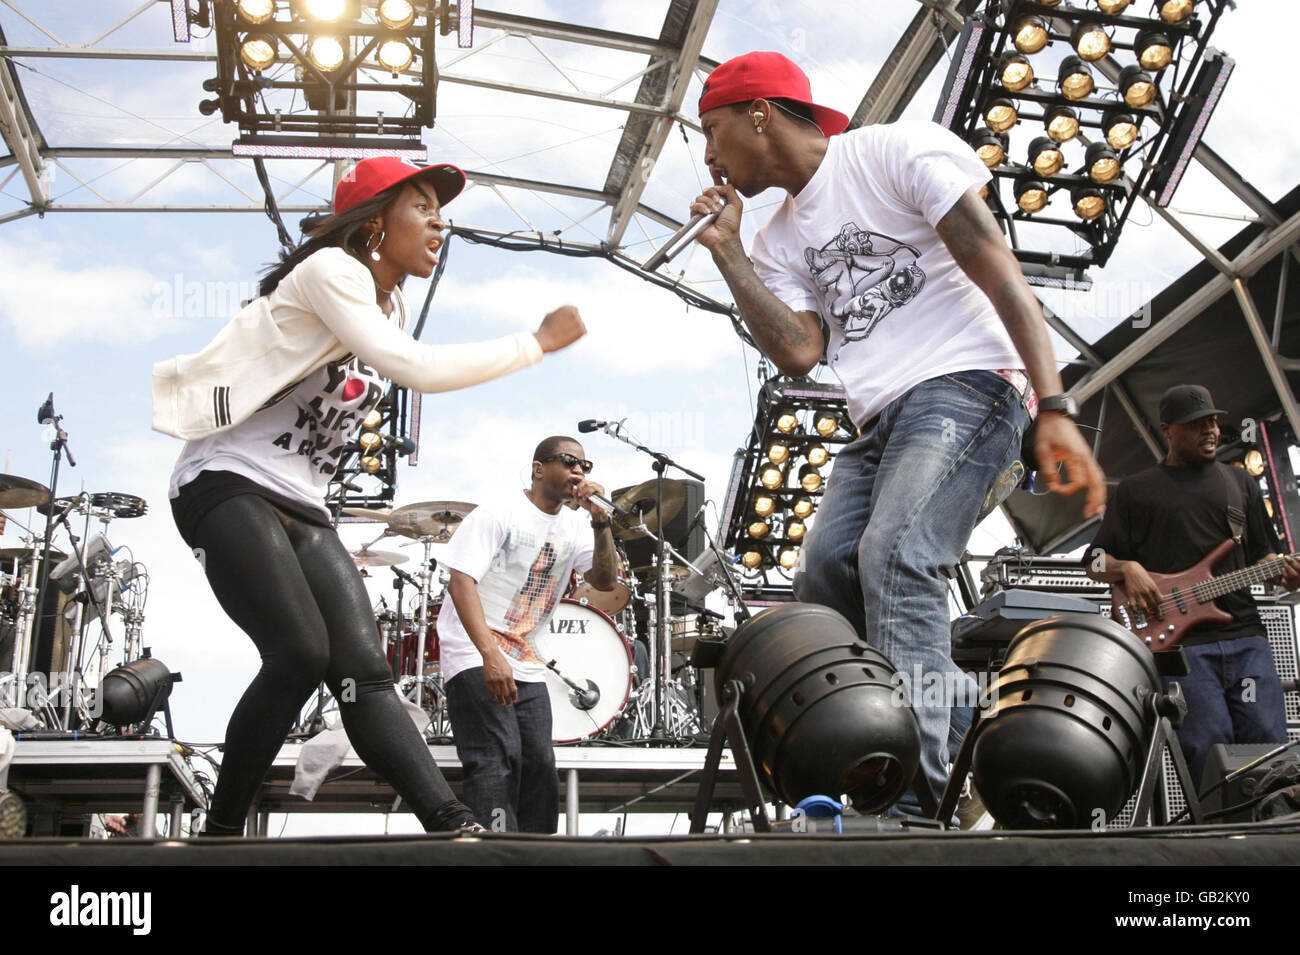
point(377, 558)
point(9, 553)
point(19, 492)
point(373, 513)
point(436, 519)
point(641, 499)
point(675, 572)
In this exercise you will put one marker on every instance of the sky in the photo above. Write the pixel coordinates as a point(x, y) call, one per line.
point(89, 301)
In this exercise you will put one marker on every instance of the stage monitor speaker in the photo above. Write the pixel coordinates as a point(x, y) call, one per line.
point(1281, 772)
point(684, 532)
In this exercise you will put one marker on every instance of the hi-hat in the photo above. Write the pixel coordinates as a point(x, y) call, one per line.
point(641, 499)
point(377, 558)
point(22, 553)
point(16, 492)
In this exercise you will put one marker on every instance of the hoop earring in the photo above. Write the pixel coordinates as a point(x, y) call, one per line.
point(374, 245)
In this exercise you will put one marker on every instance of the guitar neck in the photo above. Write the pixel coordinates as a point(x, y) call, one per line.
point(1216, 587)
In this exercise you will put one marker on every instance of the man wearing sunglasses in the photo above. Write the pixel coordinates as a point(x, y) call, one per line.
point(510, 562)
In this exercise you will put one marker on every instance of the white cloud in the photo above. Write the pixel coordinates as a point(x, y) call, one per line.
point(52, 295)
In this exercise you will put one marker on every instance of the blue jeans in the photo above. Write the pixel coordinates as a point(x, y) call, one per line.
point(1233, 696)
point(509, 761)
point(900, 506)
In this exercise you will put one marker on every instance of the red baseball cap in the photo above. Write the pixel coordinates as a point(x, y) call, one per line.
point(766, 75)
point(372, 176)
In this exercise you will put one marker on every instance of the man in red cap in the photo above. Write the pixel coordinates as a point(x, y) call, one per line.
point(884, 260)
point(1166, 519)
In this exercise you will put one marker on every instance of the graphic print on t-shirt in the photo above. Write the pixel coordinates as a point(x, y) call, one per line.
point(330, 406)
point(531, 604)
point(863, 276)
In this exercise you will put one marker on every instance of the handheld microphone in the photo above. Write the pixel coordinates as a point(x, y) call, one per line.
point(680, 240)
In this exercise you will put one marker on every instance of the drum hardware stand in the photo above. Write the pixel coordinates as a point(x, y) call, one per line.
point(661, 652)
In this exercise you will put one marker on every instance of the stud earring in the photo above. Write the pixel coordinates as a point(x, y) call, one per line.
point(374, 245)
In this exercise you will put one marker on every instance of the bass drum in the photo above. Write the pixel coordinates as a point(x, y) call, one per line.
point(589, 649)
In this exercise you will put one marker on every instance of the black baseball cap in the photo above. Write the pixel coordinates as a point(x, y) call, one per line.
point(1184, 403)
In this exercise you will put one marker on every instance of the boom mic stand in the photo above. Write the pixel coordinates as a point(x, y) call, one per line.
point(661, 656)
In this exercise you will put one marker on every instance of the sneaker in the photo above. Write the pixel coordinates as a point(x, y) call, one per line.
point(470, 828)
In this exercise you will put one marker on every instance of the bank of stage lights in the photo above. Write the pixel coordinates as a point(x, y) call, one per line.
point(1075, 108)
point(778, 480)
point(306, 78)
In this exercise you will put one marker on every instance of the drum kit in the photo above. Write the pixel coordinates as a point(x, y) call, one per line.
point(50, 598)
point(602, 665)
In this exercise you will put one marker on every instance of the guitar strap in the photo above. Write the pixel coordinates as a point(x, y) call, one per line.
point(1235, 504)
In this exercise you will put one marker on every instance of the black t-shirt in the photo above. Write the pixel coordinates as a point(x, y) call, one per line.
point(1169, 518)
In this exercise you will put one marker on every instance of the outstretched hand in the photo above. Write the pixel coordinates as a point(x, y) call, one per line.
point(1059, 442)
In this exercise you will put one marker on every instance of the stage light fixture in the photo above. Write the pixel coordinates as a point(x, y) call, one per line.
point(1136, 86)
point(258, 51)
point(1001, 114)
point(134, 692)
point(1187, 132)
point(1031, 35)
point(373, 420)
point(991, 147)
point(827, 425)
point(1088, 201)
point(396, 14)
point(1075, 78)
point(395, 55)
point(818, 456)
point(1016, 72)
point(326, 53)
point(1090, 41)
point(1176, 11)
point(1121, 129)
point(1103, 165)
point(752, 559)
point(370, 442)
point(322, 11)
point(1030, 193)
point(788, 558)
point(809, 479)
point(778, 454)
point(796, 530)
point(764, 506)
point(311, 147)
point(255, 11)
point(1113, 7)
point(1045, 156)
point(759, 529)
point(1254, 463)
point(803, 508)
point(1061, 123)
point(770, 478)
point(1154, 50)
point(786, 423)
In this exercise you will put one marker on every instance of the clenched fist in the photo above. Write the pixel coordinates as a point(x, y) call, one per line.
point(560, 329)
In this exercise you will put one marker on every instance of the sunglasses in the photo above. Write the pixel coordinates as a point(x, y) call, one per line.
point(568, 460)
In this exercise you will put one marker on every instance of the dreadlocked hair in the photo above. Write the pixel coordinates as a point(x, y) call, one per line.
point(342, 231)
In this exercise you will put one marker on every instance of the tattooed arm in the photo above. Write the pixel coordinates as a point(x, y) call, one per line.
point(792, 340)
point(975, 242)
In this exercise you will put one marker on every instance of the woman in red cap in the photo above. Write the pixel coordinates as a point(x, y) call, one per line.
point(267, 409)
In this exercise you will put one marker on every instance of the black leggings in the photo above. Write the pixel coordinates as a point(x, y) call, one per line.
point(292, 587)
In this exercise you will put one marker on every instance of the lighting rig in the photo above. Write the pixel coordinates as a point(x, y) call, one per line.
point(366, 473)
point(312, 78)
point(777, 482)
point(1076, 109)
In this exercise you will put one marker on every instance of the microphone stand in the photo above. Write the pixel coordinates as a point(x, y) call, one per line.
point(46, 415)
point(661, 657)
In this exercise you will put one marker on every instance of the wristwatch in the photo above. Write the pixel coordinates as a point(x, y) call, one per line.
point(1062, 403)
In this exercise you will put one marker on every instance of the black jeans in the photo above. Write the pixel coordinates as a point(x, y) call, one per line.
point(292, 587)
point(509, 761)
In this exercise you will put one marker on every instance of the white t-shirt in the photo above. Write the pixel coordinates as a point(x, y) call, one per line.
point(522, 558)
point(858, 246)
